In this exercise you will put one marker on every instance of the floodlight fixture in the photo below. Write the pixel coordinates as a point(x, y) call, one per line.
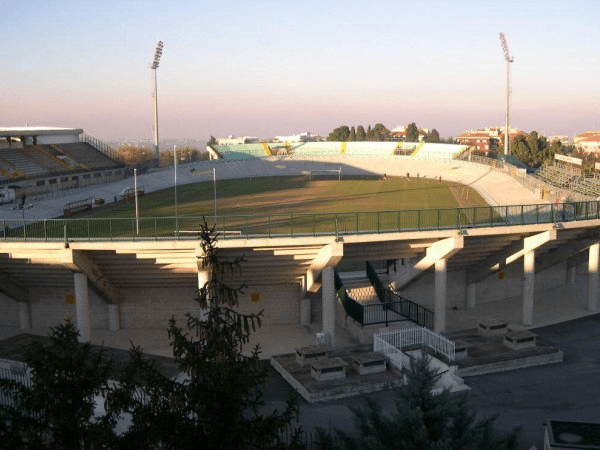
point(154, 66)
point(509, 59)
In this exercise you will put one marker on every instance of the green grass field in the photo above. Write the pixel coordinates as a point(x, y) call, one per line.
point(287, 195)
point(279, 206)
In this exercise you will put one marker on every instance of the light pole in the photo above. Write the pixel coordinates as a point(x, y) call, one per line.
point(175, 170)
point(154, 66)
point(509, 59)
point(215, 189)
point(137, 212)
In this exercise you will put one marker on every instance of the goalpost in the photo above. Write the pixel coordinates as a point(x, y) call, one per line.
point(313, 174)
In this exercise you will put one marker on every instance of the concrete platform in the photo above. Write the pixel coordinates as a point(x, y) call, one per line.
point(299, 377)
point(488, 354)
point(14, 347)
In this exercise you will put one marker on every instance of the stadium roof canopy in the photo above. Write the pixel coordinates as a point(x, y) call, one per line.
point(18, 132)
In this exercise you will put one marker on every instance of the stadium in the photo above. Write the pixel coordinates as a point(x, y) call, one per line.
point(321, 276)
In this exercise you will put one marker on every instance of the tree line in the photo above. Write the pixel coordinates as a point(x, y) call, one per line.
point(140, 156)
point(380, 133)
point(535, 150)
point(216, 402)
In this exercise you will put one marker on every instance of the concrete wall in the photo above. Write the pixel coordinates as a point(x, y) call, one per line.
point(150, 308)
point(10, 312)
point(49, 307)
point(504, 284)
point(281, 303)
point(58, 139)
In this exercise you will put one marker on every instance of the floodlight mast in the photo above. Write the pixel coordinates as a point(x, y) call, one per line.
point(154, 66)
point(509, 59)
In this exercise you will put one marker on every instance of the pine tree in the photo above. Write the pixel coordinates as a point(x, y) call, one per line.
point(360, 133)
point(216, 403)
point(370, 134)
point(412, 133)
point(352, 135)
point(422, 421)
point(57, 411)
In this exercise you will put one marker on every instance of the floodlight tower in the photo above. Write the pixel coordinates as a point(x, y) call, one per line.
point(509, 59)
point(154, 66)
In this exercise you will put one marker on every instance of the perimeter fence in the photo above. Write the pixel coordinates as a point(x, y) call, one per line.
point(295, 225)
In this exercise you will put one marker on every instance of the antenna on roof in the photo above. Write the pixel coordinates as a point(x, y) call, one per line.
point(509, 59)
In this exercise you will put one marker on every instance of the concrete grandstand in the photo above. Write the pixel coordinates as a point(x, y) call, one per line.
point(39, 160)
point(118, 286)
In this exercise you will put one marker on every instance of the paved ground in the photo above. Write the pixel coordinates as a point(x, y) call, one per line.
point(525, 397)
point(521, 398)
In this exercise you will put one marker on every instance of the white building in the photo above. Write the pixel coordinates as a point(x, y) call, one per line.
point(302, 137)
point(231, 140)
point(18, 137)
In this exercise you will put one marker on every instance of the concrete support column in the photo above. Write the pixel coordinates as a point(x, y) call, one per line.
point(114, 318)
point(203, 278)
point(471, 300)
point(305, 311)
point(402, 265)
point(571, 272)
point(328, 299)
point(24, 315)
point(594, 258)
point(82, 307)
point(439, 310)
point(528, 287)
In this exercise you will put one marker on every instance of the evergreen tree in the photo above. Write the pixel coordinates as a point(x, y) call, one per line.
point(57, 411)
point(217, 403)
point(422, 421)
point(412, 133)
point(433, 136)
point(339, 134)
point(380, 132)
point(212, 142)
point(360, 133)
point(352, 135)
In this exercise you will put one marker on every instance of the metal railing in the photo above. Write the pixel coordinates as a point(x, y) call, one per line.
point(397, 359)
point(17, 372)
point(299, 225)
point(102, 147)
point(419, 337)
point(394, 304)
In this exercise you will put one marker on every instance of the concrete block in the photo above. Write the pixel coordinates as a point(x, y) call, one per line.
point(520, 340)
point(311, 353)
point(328, 369)
point(492, 327)
point(368, 363)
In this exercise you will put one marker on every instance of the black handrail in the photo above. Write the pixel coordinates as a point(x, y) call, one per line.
point(400, 305)
point(354, 309)
point(375, 281)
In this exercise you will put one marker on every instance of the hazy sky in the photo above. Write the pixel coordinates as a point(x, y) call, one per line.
point(266, 68)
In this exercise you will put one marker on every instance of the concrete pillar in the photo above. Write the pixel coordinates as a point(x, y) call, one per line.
point(571, 272)
point(305, 311)
point(82, 307)
point(594, 257)
point(439, 310)
point(24, 315)
point(328, 299)
point(402, 265)
point(471, 295)
point(203, 278)
point(114, 318)
point(528, 287)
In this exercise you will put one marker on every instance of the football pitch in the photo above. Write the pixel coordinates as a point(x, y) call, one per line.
point(296, 195)
point(283, 206)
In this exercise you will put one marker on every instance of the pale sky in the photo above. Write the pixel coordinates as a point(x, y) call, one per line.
point(266, 68)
